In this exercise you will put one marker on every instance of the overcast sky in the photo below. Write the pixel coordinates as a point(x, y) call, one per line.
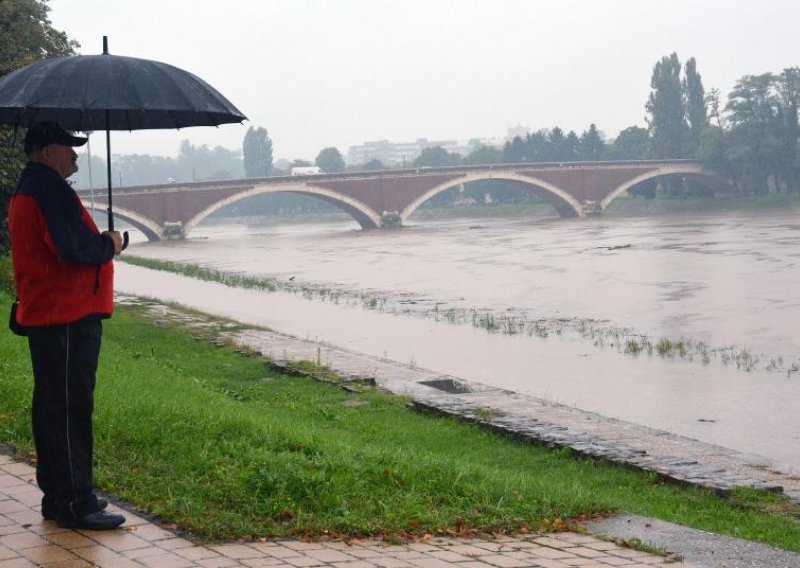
point(318, 73)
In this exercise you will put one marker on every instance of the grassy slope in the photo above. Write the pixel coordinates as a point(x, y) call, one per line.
point(224, 447)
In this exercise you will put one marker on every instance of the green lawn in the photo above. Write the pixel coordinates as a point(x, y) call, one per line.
point(222, 446)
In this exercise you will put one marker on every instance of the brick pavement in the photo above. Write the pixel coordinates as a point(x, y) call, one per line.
point(27, 540)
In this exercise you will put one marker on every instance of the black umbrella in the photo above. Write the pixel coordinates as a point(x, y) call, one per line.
point(110, 92)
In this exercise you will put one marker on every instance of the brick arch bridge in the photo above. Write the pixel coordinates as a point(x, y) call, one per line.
point(389, 198)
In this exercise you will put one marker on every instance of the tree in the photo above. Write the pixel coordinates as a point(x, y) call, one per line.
point(758, 132)
point(436, 156)
point(257, 153)
point(538, 147)
point(695, 104)
point(330, 160)
point(591, 146)
point(667, 124)
point(186, 162)
point(223, 163)
point(198, 163)
point(789, 87)
point(515, 151)
point(558, 146)
point(483, 155)
point(714, 107)
point(633, 143)
point(26, 35)
point(573, 146)
point(711, 151)
point(141, 169)
point(757, 142)
point(374, 165)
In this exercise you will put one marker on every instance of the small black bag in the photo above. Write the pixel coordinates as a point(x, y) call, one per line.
point(13, 324)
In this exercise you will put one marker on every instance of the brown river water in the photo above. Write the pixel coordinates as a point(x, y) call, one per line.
point(571, 311)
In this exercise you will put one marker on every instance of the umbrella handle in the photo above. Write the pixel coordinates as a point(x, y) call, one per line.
point(125, 240)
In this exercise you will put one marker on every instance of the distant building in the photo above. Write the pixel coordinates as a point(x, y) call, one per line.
point(514, 131)
point(404, 153)
point(393, 153)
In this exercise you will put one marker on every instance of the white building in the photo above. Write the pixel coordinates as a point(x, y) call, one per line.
point(394, 153)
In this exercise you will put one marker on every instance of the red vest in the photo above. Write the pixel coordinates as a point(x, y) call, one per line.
point(62, 265)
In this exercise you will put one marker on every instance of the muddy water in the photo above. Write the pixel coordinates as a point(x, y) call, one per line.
point(726, 285)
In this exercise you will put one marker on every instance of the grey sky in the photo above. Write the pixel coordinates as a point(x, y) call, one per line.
point(320, 73)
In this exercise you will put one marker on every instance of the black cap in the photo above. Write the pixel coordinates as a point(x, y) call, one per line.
point(43, 134)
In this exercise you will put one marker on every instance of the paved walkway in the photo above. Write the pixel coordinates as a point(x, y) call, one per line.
point(27, 540)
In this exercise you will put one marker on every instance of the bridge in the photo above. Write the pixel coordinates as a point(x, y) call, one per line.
point(388, 198)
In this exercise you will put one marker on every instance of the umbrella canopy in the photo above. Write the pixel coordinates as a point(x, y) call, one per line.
point(110, 92)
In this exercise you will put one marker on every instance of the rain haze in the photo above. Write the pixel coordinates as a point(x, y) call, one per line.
point(321, 73)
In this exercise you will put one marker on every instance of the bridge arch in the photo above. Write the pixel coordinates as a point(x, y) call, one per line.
point(564, 203)
point(693, 170)
point(149, 228)
point(364, 215)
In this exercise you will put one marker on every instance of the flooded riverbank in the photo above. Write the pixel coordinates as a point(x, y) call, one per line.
point(586, 288)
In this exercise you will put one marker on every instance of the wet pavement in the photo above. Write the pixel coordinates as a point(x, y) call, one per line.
point(695, 547)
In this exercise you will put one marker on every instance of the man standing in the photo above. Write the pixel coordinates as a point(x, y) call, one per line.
point(64, 280)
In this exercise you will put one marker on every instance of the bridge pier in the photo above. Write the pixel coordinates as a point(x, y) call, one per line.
point(391, 220)
point(590, 208)
point(173, 231)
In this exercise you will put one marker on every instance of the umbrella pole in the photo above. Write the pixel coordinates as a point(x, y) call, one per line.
point(108, 153)
point(110, 205)
point(108, 164)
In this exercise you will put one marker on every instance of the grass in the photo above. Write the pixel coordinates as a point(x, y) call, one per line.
point(223, 446)
point(201, 273)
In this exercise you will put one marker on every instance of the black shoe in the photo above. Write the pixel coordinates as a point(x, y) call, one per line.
point(49, 514)
point(97, 521)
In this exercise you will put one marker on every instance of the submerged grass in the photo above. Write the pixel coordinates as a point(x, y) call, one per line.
point(602, 336)
point(225, 447)
point(201, 273)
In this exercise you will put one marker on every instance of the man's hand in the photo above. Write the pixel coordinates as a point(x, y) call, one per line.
point(117, 238)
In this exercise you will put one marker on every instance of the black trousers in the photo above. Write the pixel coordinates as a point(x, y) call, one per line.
point(64, 361)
